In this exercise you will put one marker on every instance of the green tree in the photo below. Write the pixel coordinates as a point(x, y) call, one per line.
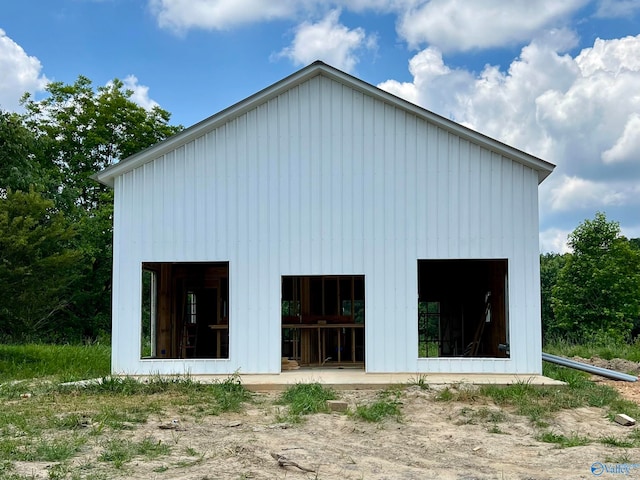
point(38, 265)
point(83, 130)
point(21, 159)
point(91, 129)
point(598, 289)
point(550, 266)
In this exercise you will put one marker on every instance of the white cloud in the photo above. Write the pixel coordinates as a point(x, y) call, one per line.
point(617, 8)
point(449, 25)
point(574, 193)
point(627, 147)
point(499, 104)
point(140, 93)
point(581, 112)
point(181, 15)
point(19, 73)
point(431, 77)
point(460, 25)
point(330, 41)
point(554, 240)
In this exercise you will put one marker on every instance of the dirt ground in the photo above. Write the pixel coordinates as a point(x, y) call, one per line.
point(432, 440)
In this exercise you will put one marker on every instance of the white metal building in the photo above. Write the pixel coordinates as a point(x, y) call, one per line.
point(331, 223)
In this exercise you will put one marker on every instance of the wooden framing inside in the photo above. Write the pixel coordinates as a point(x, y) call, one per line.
point(323, 319)
point(190, 319)
point(463, 308)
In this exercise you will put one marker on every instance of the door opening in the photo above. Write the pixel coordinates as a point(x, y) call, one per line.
point(323, 321)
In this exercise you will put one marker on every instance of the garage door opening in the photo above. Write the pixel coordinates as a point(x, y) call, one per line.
point(463, 308)
point(185, 310)
point(323, 321)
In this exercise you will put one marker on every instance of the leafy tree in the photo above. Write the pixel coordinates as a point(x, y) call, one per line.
point(91, 130)
point(598, 290)
point(21, 165)
point(550, 266)
point(38, 265)
point(82, 130)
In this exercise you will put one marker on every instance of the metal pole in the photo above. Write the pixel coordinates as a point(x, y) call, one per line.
point(603, 372)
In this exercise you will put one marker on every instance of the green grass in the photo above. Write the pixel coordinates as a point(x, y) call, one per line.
point(58, 422)
point(119, 451)
point(420, 381)
point(63, 362)
point(600, 346)
point(387, 405)
point(229, 395)
point(305, 399)
point(28, 449)
point(562, 441)
point(616, 442)
point(539, 403)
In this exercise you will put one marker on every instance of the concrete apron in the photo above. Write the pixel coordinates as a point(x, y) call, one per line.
point(352, 379)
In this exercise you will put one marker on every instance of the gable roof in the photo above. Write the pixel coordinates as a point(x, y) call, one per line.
point(108, 175)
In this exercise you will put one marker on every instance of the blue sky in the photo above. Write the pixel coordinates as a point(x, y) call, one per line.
point(558, 79)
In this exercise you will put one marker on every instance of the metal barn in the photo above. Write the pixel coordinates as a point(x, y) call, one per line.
point(325, 222)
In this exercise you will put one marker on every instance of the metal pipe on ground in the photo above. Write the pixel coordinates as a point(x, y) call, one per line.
point(603, 372)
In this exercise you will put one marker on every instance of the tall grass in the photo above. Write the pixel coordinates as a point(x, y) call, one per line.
point(599, 346)
point(62, 362)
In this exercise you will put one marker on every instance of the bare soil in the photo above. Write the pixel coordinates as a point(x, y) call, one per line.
point(432, 440)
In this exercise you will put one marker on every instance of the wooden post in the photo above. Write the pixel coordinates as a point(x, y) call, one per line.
point(164, 333)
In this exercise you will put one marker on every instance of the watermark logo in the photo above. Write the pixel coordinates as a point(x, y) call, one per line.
point(599, 468)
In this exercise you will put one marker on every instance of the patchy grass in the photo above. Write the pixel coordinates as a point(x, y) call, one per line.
point(563, 441)
point(119, 451)
point(459, 392)
point(420, 381)
point(386, 405)
point(305, 399)
point(473, 416)
point(229, 395)
point(612, 441)
point(57, 423)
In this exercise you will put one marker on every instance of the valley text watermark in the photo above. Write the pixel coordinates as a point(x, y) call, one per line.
point(599, 468)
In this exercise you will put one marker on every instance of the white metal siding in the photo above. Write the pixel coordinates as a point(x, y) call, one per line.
point(324, 179)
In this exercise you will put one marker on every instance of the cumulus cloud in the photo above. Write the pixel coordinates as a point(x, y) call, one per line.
point(459, 25)
point(20, 73)
point(574, 193)
point(330, 41)
point(581, 112)
point(627, 147)
point(181, 15)
point(431, 77)
point(140, 93)
point(501, 104)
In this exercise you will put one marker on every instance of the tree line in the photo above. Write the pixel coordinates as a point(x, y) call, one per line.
point(55, 220)
point(593, 293)
point(56, 226)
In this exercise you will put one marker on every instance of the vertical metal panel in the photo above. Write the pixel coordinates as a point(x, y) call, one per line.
point(324, 179)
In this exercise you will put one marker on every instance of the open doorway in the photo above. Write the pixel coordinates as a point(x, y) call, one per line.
point(463, 308)
point(323, 320)
point(185, 310)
